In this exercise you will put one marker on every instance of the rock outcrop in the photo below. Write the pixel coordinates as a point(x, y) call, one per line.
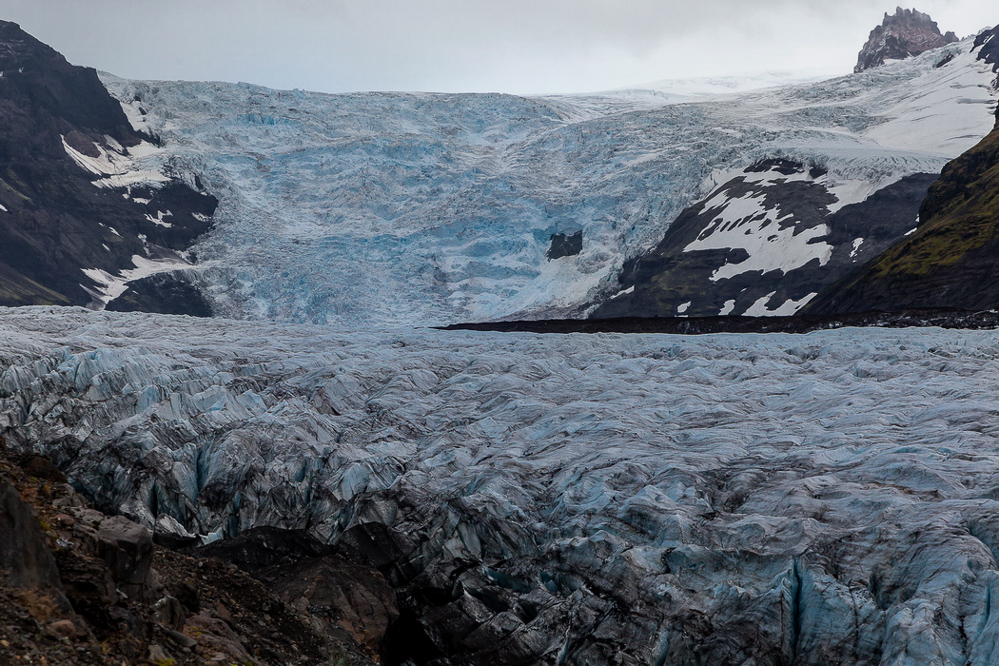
point(81, 587)
point(950, 259)
point(902, 35)
point(80, 216)
point(763, 244)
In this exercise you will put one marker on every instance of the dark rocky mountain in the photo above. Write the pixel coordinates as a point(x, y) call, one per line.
point(762, 244)
point(774, 237)
point(950, 261)
point(987, 44)
point(902, 35)
point(72, 198)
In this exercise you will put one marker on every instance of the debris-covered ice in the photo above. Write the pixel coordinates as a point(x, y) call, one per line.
point(821, 498)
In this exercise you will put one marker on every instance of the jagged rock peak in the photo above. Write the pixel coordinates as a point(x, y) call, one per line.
point(905, 34)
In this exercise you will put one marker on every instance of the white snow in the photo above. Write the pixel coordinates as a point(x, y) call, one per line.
point(788, 308)
point(848, 192)
point(120, 170)
point(158, 220)
point(857, 242)
point(683, 307)
point(944, 111)
point(113, 286)
point(727, 308)
point(745, 223)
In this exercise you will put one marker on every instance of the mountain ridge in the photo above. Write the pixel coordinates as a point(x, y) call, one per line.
point(72, 225)
point(901, 35)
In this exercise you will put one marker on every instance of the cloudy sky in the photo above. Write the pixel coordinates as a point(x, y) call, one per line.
point(516, 46)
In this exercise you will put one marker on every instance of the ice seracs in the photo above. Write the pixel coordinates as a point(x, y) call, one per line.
point(381, 209)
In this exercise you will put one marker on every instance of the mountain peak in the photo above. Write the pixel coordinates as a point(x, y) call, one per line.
point(904, 34)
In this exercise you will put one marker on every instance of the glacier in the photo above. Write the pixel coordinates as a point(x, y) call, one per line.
point(632, 499)
point(389, 209)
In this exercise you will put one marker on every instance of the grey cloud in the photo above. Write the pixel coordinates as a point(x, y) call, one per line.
point(505, 45)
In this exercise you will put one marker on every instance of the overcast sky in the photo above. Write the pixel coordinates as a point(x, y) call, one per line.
point(515, 46)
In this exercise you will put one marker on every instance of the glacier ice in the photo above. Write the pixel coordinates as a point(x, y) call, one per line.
point(820, 498)
point(400, 209)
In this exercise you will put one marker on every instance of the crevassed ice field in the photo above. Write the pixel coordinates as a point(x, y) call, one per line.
point(421, 209)
point(832, 495)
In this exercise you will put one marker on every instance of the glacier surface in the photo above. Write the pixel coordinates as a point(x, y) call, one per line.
point(633, 499)
point(386, 209)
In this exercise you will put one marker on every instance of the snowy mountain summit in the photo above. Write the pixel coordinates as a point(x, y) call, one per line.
point(905, 34)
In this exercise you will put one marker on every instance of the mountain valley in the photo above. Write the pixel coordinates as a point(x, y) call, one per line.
point(241, 420)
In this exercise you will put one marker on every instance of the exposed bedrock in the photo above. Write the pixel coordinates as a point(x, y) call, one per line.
point(904, 34)
point(81, 212)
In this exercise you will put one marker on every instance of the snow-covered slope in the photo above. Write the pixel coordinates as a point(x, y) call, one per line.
point(821, 499)
point(401, 208)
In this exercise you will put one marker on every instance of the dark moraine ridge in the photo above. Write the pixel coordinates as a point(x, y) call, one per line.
point(942, 317)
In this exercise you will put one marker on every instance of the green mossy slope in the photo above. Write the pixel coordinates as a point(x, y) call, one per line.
point(952, 260)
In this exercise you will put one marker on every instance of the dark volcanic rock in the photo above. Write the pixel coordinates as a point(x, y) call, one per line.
point(56, 220)
point(24, 553)
point(165, 293)
point(264, 547)
point(987, 44)
point(951, 259)
point(684, 276)
point(905, 34)
point(801, 323)
point(565, 245)
point(309, 576)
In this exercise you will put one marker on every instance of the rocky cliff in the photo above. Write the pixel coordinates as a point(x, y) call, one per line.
point(80, 217)
point(763, 244)
point(904, 34)
point(774, 235)
point(950, 259)
point(80, 587)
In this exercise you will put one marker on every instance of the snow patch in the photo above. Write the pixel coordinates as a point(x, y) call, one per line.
point(112, 286)
point(158, 220)
point(727, 308)
point(119, 170)
point(745, 223)
point(857, 242)
point(790, 307)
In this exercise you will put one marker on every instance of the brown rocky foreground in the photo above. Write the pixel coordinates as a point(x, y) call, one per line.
point(80, 587)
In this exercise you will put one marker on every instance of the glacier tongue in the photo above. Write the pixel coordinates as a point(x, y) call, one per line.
point(825, 498)
point(387, 209)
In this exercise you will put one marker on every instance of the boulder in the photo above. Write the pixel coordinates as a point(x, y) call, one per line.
point(24, 553)
point(127, 549)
